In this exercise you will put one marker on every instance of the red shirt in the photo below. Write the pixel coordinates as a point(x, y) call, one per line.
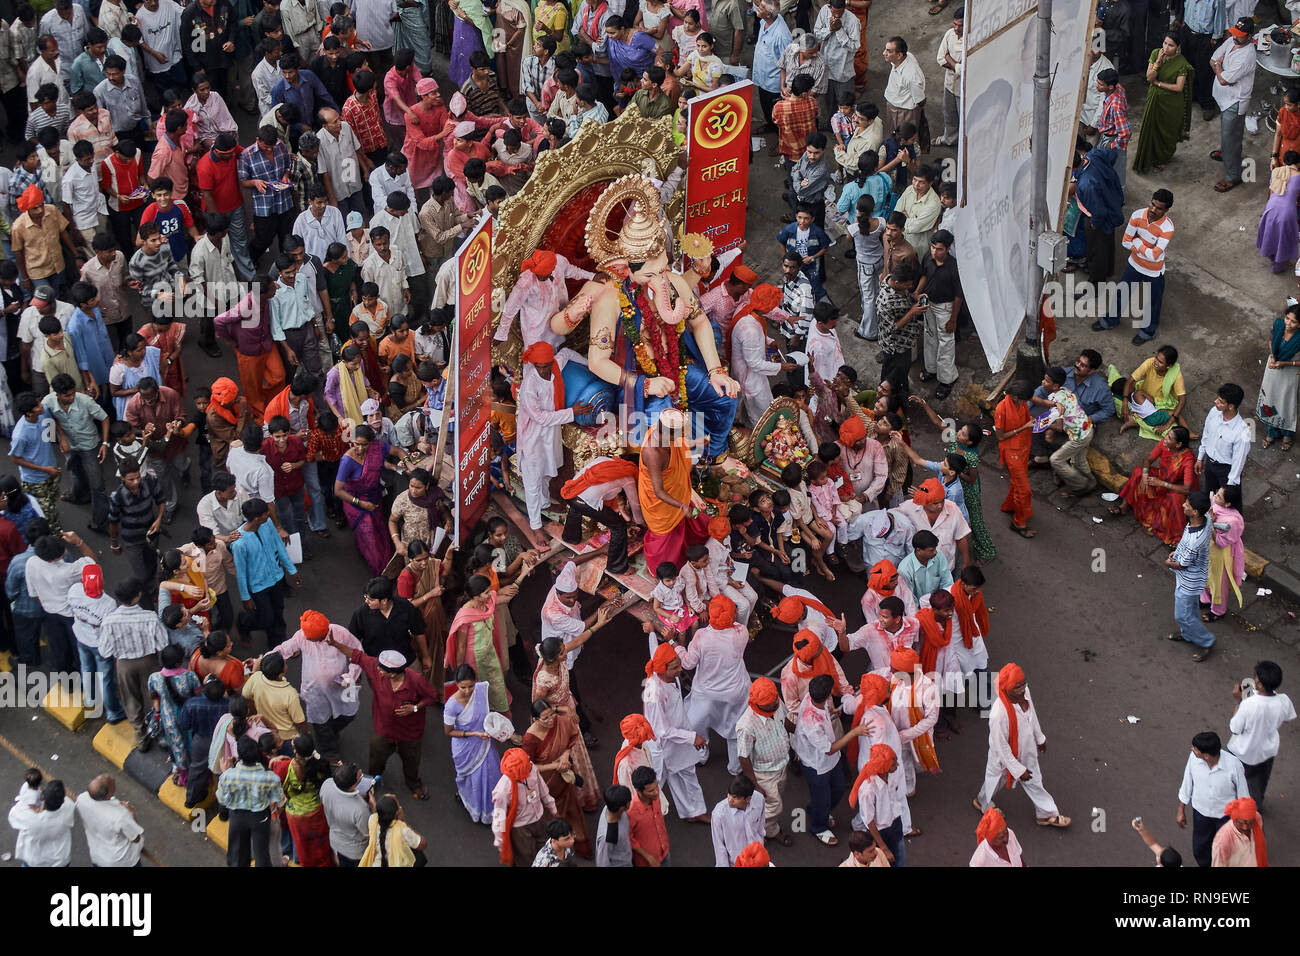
point(646, 830)
point(795, 119)
point(286, 483)
point(119, 178)
point(385, 701)
point(222, 179)
point(366, 123)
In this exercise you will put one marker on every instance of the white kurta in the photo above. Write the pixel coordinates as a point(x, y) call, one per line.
point(673, 749)
point(750, 365)
point(881, 730)
point(968, 660)
point(536, 301)
point(720, 690)
point(825, 356)
point(1002, 761)
point(540, 451)
point(813, 619)
point(871, 600)
point(985, 855)
point(927, 698)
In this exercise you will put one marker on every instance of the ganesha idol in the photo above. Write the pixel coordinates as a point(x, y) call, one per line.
point(651, 347)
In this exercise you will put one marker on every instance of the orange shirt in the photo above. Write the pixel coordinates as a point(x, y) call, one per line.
point(389, 346)
point(661, 517)
point(1008, 416)
point(646, 829)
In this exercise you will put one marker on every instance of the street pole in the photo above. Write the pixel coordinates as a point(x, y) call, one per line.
point(1038, 152)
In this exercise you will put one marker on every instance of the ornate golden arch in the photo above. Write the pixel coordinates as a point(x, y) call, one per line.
point(601, 152)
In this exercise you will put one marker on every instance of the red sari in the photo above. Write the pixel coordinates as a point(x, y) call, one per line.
point(1158, 509)
point(166, 339)
point(562, 737)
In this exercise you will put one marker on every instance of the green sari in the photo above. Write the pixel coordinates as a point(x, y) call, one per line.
point(1166, 117)
point(982, 542)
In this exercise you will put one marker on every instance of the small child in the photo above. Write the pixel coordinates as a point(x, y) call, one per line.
point(1141, 407)
point(842, 125)
point(173, 217)
point(504, 424)
point(326, 447)
point(371, 310)
point(154, 271)
point(814, 533)
point(770, 562)
point(127, 446)
point(358, 239)
point(29, 793)
point(825, 506)
point(183, 629)
point(668, 601)
point(781, 502)
point(197, 427)
point(629, 81)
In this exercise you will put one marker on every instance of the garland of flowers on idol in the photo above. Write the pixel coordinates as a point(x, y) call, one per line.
point(662, 351)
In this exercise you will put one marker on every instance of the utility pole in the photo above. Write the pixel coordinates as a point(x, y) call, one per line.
point(1038, 152)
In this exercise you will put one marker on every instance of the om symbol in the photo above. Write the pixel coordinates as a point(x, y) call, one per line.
point(720, 121)
point(475, 263)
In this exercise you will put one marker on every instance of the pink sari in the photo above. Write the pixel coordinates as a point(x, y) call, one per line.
point(1227, 560)
point(369, 529)
point(463, 647)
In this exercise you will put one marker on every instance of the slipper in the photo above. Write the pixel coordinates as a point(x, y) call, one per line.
point(420, 793)
point(1209, 617)
point(1175, 637)
point(1023, 531)
point(1217, 156)
point(938, 8)
point(1222, 186)
point(784, 839)
point(1202, 654)
point(914, 832)
point(830, 819)
point(1116, 511)
point(1286, 444)
point(1054, 821)
point(827, 837)
point(1267, 442)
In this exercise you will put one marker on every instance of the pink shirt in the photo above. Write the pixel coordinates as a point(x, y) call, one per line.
point(322, 666)
point(825, 499)
point(169, 161)
point(534, 798)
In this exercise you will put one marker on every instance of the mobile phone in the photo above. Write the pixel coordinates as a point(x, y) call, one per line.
point(923, 301)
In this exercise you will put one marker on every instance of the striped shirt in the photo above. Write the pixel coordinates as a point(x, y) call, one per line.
point(1146, 242)
point(763, 740)
point(38, 119)
point(130, 632)
point(1193, 553)
point(253, 164)
point(135, 512)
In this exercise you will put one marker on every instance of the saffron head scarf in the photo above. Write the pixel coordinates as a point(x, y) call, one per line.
point(314, 624)
point(990, 825)
point(873, 690)
point(792, 608)
point(1244, 808)
point(543, 353)
point(905, 660)
point(636, 730)
point(30, 198)
point(852, 430)
point(719, 528)
point(1009, 677)
point(665, 654)
point(879, 760)
point(224, 394)
point(884, 577)
point(930, 492)
point(763, 693)
point(753, 855)
point(541, 263)
point(722, 612)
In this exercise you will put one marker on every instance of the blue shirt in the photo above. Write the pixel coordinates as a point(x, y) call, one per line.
point(638, 54)
point(172, 226)
point(20, 602)
point(291, 306)
point(1193, 553)
point(923, 579)
point(309, 95)
point(1208, 17)
point(253, 164)
point(90, 341)
point(773, 38)
point(1094, 395)
point(30, 441)
point(260, 560)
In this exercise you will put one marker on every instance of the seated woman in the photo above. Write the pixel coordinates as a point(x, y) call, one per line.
point(1156, 491)
point(550, 742)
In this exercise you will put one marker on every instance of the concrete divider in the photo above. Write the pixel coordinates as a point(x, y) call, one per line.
point(65, 707)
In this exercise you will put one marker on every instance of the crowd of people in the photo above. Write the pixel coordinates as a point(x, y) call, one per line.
point(321, 252)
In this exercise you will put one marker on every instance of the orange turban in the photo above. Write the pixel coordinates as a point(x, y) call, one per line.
point(806, 646)
point(743, 273)
point(636, 730)
point(905, 660)
point(224, 394)
point(879, 761)
point(792, 608)
point(873, 690)
point(664, 655)
point(930, 492)
point(753, 855)
point(763, 693)
point(882, 573)
point(539, 353)
point(30, 198)
point(315, 625)
point(719, 528)
point(809, 650)
point(1244, 808)
point(541, 263)
point(516, 766)
point(990, 825)
point(763, 298)
point(1009, 677)
point(852, 430)
point(722, 612)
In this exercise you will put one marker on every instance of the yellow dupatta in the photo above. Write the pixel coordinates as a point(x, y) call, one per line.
point(352, 389)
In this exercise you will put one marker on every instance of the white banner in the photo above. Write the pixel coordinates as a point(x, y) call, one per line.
point(994, 183)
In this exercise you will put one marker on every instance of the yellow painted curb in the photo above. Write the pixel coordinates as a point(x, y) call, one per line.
point(173, 797)
point(65, 707)
point(1255, 563)
point(114, 743)
point(5, 666)
point(219, 832)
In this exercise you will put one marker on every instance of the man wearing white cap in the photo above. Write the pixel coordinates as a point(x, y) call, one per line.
point(383, 426)
point(887, 537)
point(399, 699)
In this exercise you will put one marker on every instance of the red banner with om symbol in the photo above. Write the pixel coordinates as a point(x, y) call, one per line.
point(473, 367)
point(717, 178)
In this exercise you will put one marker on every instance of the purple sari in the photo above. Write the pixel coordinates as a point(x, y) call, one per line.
point(478, 767)
point(1277, 238)
point(465, 39)
point(369, 529)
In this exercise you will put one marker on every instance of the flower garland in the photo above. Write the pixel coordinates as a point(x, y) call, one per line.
point(662, 351)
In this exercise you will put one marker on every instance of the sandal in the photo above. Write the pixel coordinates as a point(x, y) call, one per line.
point(420, 793)
point(1217, 156)
point(1209, 617)
point(1054, 821)
point(1116, 511)
point(827, 837)
point(1267, 443)
point(1286, 444)
point(1202, 654)
point(914, 832)
point(1223, 185)
point(1023, 531)
point(1175, 637)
